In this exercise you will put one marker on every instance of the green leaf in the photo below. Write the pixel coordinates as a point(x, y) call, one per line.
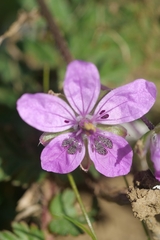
point(80, 225)
point(41, 52)
point(6, 235)
point(7, 96)
point(68, 200)
point(27, 4)
point(63, 204)
point(56, 205)
point(61, 10)
point(63, 227)
point(21, 231)
point(95, 174)
point(3, 175)
point(67, 220)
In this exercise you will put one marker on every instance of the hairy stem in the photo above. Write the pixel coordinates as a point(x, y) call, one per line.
point(74, 187)
point(46, 72)
point(148, 123)
point(59, 40)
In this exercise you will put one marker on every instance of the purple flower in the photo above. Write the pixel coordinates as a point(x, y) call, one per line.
point(83, 141)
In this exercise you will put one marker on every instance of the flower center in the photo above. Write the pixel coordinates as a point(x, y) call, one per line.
point(85, 126)
point(88, 126)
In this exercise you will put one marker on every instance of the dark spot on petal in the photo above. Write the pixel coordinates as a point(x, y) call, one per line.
point(65, 143)
point(105, 116)
point(101, 143)
point(66, 121)
point(101, 151)
point(108, 143)
point(72, 145)
point(105, 141)
point(102, 112)
point(72, 150)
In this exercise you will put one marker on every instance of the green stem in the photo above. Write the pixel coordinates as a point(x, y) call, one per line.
point(143, 223)
point(126, 182)
point(46, 71)
point(74, 187)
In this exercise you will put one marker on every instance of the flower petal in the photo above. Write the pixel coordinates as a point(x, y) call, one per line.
point(118, 159)
point(45, 112)
point(126, 103)
point(155, 154)
point(82, 86)
point(55, 158)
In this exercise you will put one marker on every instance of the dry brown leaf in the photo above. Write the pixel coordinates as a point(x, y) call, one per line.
point(23, 17)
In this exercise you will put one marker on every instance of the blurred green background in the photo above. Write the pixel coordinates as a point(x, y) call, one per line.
point(121, 37)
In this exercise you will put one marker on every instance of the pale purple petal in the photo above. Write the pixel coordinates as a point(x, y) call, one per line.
point(117, 161)
point(45, 112)
point(82, 86)
point(155, 154)
point(55, 158)
point(126, 103)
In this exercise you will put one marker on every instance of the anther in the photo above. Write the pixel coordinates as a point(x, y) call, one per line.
point(101, 112)
point(105, 116)
point(66, 121)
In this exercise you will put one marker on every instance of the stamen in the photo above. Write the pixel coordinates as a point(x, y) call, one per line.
point(89, 126)
point(105, 116)
point(66, 121)
point(102, 112)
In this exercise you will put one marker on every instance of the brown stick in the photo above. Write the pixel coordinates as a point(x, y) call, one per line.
point(60, 41)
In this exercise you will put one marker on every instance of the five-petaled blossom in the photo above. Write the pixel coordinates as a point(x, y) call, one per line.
point(83, 141)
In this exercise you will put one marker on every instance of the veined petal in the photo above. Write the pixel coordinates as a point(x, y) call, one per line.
point(126, 103)
point(155, 154)
point(82, 86)
point(57, 157)
point(118, 159)
point(45, 112)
